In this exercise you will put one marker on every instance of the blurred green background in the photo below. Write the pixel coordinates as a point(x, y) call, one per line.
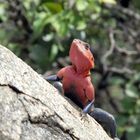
point(41, 31)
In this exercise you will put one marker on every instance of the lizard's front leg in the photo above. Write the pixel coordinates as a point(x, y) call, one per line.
point(52, 78)
point(87, 109)
point(57, 84)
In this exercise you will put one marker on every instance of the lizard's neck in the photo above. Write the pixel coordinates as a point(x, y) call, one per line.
point(83, 73)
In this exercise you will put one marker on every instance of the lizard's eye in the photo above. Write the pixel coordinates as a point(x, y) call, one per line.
point(87, 46)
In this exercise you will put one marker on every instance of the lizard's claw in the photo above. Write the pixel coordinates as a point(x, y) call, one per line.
point(84, 116)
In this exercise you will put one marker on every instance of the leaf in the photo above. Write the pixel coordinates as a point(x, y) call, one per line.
point(131, 90)
point(53, 7)
point(128, 104)
point(2, 12)
point(38, 53)
point(28, 3)
point(137, 76)
point(131, 129)
point(108, 1)
point(81, 25)
point(116, 81)
point(63, 30)
point(39, 23)
point(61, 48)
point(54, 51)
point(131, 93)
point(81, 5)
point(48, 37)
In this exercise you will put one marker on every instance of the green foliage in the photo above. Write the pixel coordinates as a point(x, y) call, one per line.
point(51, 22)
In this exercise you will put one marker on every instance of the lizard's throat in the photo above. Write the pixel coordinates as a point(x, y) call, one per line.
point(83, 72)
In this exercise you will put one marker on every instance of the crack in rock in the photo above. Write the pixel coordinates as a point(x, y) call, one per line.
point(49, 120)
point(44, 117)
point(21, 92)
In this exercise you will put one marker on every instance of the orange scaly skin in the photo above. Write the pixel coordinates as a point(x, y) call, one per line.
point(76, 79)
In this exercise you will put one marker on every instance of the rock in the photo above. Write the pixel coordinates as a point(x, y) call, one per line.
point(32, 109)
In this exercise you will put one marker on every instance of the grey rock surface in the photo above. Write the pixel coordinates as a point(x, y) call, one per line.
point(32, 109)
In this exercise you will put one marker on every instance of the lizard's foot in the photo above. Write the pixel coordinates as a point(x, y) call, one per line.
point(84, 116)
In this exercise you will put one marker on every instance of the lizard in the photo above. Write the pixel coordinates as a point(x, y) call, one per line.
point(74, 81)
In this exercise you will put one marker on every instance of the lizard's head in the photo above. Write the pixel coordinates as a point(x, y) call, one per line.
point(81, 56)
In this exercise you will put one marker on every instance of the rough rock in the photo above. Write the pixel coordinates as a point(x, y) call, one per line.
point(32, 109)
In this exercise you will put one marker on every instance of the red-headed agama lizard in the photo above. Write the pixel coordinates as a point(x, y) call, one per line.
point(74, 81)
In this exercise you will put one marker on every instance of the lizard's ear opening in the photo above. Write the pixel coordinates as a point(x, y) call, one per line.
point(87, 46)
